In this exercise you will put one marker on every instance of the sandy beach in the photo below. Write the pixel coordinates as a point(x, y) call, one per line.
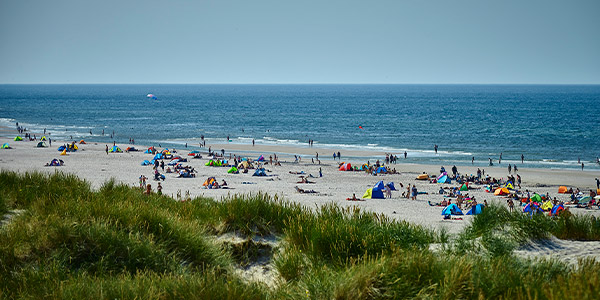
point(92, 163)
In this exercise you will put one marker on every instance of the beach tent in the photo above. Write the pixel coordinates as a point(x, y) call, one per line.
point(5, 146)
point(509, 186)
point(146, 163)
point(556, 210)
point(547, 205)
point(209, 181)
point(173, 162)
point(18, 138)
point(82, 142)
point(41, 145)
point(261, 158)
point(585, 200)
point(475, 210)
point(245, 165)
point(131, 149)
point(43, 139)
point(391, 186)
point(371, 193)
point(536, 198)
point(194, 151)
point(501, 191)
point(376, 192)
point(115, 149)
point(423, 177)
point(259, 172)
point(451, 209)
point(346, 167)
point(233, 170)
point(55, 163)
point(562, 189)
point(532, 208)
point(381, 170)
point(149, 150)
point(464, 187)
point(64, 152)
point(213, 163)
point(157, 156)
point(443, 178)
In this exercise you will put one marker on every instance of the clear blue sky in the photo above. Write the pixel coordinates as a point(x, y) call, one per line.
point(279, 41)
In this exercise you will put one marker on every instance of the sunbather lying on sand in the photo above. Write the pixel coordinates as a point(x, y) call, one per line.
point(303, 191)
point(297, 173)
point(354, 198)
point(444, 203)
point(304, 180)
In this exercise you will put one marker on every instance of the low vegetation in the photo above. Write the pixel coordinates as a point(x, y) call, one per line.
point(73, 242)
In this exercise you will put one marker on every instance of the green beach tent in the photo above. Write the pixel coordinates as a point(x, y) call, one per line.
point(18, 138)
point(464, 187)
point(41, 145)
point(233, 170)
point(5, 146)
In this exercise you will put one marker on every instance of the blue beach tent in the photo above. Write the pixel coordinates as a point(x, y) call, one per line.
point(475, 210)
point(452, 209)
point(381, 170)
point(391, 186)
point(260, 172)
point(145, 163)
point(531, 208)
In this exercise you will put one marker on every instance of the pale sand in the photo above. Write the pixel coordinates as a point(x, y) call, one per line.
point(94, 165)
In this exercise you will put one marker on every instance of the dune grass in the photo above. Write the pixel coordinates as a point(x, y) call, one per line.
point(72, 242)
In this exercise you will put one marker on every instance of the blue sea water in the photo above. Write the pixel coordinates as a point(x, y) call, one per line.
point(551, 125)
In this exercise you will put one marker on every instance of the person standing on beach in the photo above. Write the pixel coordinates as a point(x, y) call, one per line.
point(581, 166)
point(339, 156)
point(252, 142)
point(405, 154)
point(435, 147)
point(159, 189)
point(50, 141)
point(522, 158)
point(321, 173)
point(106, 149)
point(509, 168)
point(334, 155)
point(473, 160)
point(597, 184)
point(414, 192)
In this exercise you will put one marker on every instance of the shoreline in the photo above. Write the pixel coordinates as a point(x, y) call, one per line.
point(362, 152)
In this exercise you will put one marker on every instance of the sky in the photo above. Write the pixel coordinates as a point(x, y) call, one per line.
point(309, 41)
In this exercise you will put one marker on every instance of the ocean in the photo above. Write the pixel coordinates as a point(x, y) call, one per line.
point(553, 126)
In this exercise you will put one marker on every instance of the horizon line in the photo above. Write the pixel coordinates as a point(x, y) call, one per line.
point(299, 83)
